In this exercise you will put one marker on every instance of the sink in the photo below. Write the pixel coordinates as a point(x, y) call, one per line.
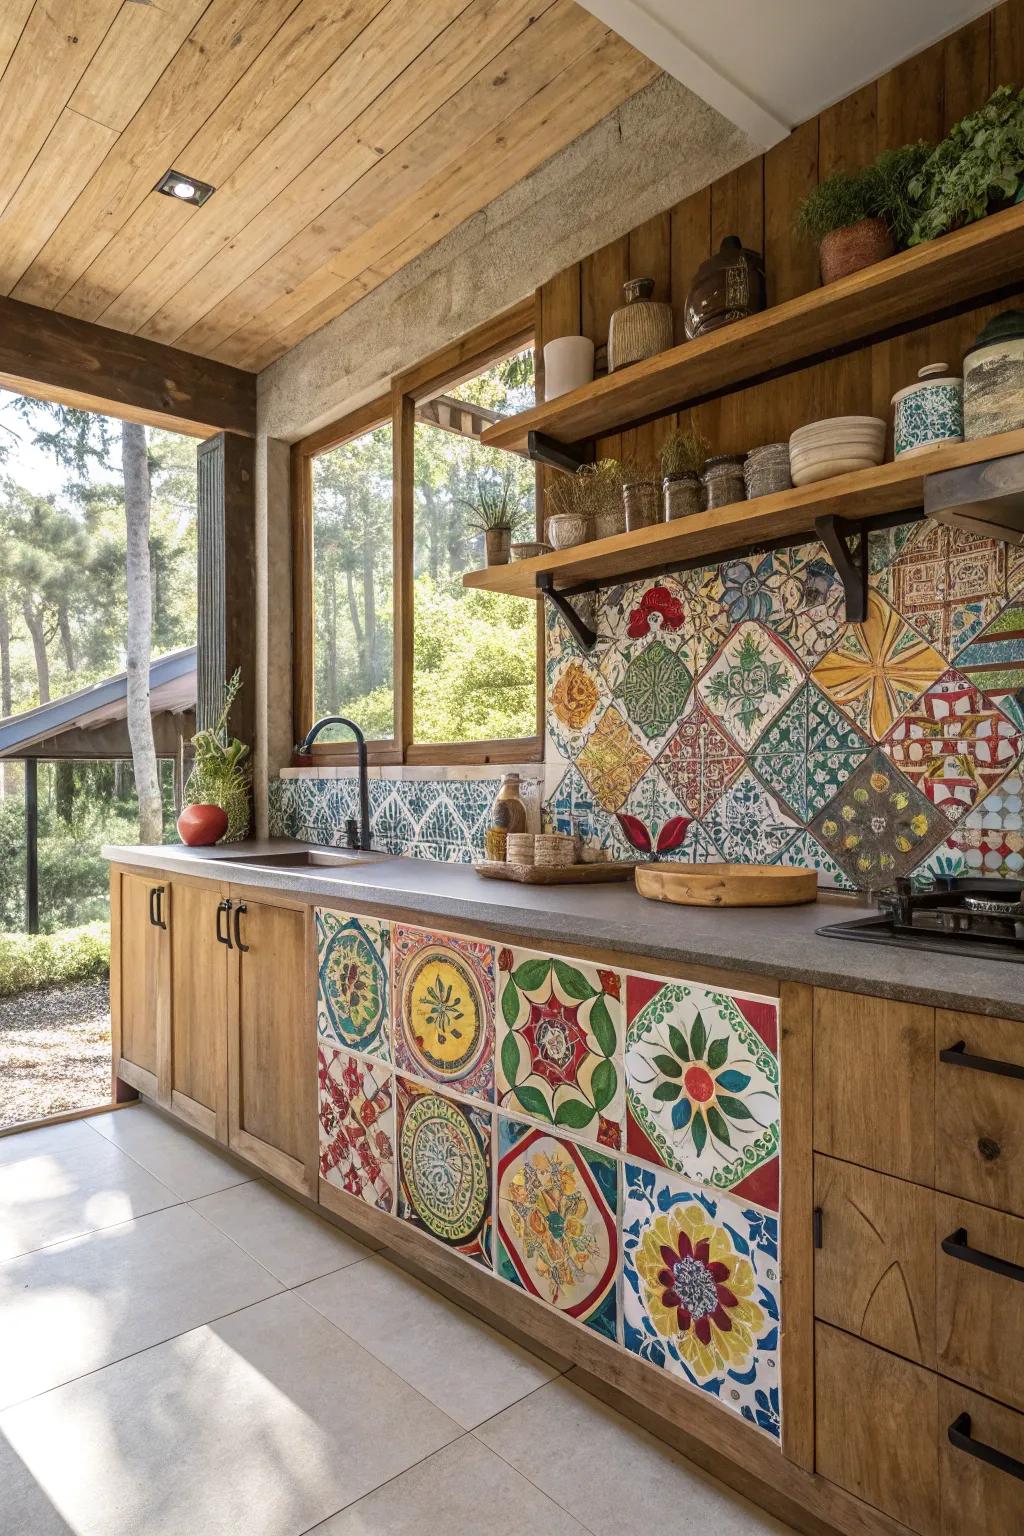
point(306, 858)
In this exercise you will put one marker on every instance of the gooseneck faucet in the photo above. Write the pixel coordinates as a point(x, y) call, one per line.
point(363, 841)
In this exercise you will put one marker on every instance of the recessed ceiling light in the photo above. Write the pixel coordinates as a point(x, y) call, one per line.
point(185, 188)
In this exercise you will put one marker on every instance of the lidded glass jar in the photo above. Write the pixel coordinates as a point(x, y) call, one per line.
point(641, 503)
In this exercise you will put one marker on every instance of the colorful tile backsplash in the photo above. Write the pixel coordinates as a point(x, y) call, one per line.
point(606, 1141)
point(738, 698)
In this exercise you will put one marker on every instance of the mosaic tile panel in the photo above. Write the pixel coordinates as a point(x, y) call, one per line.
point(353, 969)
point(444, 1161)
point(751, 679)
point(954, 744)
point(878, 826)
point(702, 1085)
point(443, 1009)
point(701, 1291)
point(557, 1223)
point(357, 1126)
point(990, 838)
point(878, 669)
point(560, 1043)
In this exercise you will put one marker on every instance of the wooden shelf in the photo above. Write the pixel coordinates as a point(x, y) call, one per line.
point(869, 493)
point(908, 287)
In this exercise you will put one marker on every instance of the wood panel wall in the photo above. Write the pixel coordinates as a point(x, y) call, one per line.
point(920, 98)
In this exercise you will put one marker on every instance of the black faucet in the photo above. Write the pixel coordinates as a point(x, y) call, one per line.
point(362, 842)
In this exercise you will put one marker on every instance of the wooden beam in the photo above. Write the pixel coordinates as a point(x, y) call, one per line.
point(57, 357)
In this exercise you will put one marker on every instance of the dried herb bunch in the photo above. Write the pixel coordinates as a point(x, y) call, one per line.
point(593, 489)
point(684, 450)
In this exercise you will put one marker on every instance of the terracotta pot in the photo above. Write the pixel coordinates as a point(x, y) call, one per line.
point(857, 245)
point(498, 543)
point(200, 826)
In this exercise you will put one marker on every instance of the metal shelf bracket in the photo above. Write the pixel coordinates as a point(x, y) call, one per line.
point(851, 564)
point(585, 637)
point(547, 450)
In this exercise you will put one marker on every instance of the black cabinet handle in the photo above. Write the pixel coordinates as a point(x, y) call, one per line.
point(152, 907)
point(223, 935)
point(960, 1435)
point(957, 1246)
point(243, 949)
point(957, 1056)
point(816, 1227)
point(158, 892)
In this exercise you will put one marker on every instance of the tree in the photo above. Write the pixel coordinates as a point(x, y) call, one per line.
point(137, 496)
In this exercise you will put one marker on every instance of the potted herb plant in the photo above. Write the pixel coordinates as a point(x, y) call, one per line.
point(496, 510)
point(978, 167)
point(220, 777)
point(841, 217)
point(682, 460)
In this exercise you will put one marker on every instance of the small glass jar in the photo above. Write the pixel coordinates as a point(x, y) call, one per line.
point(723, 480)
point(682, 494)
point(766, 470)
point(642, 504)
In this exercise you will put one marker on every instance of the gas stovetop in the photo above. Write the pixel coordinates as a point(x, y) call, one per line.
point(952, 916)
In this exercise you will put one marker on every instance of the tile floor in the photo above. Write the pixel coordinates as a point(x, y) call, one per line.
point(184, 1349)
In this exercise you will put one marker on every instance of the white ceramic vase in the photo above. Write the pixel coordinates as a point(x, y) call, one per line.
point(568, 364)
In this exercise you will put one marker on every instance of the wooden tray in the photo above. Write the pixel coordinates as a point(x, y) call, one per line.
point(727, 885)
point(551, 874)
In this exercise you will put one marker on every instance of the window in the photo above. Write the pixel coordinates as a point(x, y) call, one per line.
point(383, 507)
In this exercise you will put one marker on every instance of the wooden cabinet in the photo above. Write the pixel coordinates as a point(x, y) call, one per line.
point(981, 1465)
point(979, 1081)
point(199, 1005)
point(272, 1041)
point(139, 983)
point(979, 1298)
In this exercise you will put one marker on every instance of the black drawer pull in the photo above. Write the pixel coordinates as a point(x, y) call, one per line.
point(152, 907)
point(957, 1246)
point(957, 1056)
point(158, 892)
point(243, 949)
point(223, 934)
point(960, 1435)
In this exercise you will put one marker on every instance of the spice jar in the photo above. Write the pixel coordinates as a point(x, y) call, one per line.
point(723, 480)
point(682, 494)
point(641, 328)
point(641, 503)
point(766, 470)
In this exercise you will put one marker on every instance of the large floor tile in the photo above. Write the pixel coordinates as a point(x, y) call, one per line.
point(260, 1425)
point(463, 1366)
point(291, 1242)
point(614, 1477)
point(174, 1156)
point(452, 1492)
point(63, 1180)
point(76, 1306)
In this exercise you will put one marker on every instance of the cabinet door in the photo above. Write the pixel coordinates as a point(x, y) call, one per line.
point(980, 1298)
point(979, 1102)
point(981, 1465)
point(140, 996)
point(272, 1041)
point(199, 1007)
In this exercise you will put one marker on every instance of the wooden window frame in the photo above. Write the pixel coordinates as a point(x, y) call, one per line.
point(462, 359)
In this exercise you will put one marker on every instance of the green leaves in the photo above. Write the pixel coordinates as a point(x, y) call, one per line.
point(602, 1027)
point(700, 1132)
point(734, 1108)
point(698, 1037)
point(718, 1051)
point(573, 983)
point(603, 1084)
point(575, 1114)
point(677, 1040)
point(666, 1093)
point(718, 1125)
point(531, 974)
point(667, 1066)
point(510, 1059)
point(533, 1101)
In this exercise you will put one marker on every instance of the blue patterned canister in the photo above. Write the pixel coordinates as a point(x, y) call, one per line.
point(928, 412)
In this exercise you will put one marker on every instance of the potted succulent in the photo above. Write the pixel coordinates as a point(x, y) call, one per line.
point(219, 779)
point(496, 510)
point(682, 460)
point(978, 167)
point(860, 217)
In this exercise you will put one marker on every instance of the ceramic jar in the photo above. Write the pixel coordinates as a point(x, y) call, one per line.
point(682, 495)
point(567, 529)
point(508, 811)
point(528, 551)
point(728, 287)
point(836, 446)
point(928, 412)
point(766, 470)
point(994, 378)
point(847, 250)
point(568, 365)
point(723, 480)
point(641, 328)
point(642, 504)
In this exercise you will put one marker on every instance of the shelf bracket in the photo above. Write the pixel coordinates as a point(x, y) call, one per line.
point(851, 565)
point(585, 637)
point(547, 450)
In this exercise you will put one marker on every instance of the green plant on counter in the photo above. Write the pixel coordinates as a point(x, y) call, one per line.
point(495, 503)
point(979, 164)
point(221, 772)
point(682, 451)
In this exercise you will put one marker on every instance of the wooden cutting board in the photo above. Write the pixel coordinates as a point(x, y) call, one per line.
point(727, 885)
point(554, 874)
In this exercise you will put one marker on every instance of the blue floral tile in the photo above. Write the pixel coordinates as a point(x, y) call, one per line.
point(749, 824)
point(808, 752)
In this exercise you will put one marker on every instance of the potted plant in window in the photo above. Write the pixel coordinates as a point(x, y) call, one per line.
point(496, 510)
point(219, 780)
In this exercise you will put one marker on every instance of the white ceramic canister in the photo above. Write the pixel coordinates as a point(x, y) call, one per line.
point(928, 412)
point(568, 364)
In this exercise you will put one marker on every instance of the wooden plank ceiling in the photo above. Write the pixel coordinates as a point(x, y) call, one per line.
point(343, 138)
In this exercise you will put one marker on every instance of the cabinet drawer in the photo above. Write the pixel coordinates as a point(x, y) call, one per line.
point(977, 1497)
point(980, 1298)
point(979, 1083)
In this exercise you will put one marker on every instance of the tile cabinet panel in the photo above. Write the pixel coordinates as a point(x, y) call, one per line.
point(980, 1308)
point(979, 1103)
point(478, 1092)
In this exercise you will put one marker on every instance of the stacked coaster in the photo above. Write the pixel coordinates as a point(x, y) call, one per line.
point(520, 847)
point(553, 850)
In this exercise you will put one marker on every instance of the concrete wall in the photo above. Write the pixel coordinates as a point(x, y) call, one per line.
point(652, 151)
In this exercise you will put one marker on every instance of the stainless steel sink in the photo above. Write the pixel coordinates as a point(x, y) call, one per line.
point(305, 858)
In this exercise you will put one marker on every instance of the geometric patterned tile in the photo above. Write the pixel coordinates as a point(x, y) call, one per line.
point(750, 680)
point(444, 1166)
point(654, 689)
point(948, 583)
point(612, 760)
point(994, 661)
point(557, 1223)
point(353, 964)
point(990, 838)
point(808, 752)
point(878, 669)
point(954, 744)
point(749, 824)
point(700, 762)
point(357, 1126)
point(879, 825)
point(701, 1291)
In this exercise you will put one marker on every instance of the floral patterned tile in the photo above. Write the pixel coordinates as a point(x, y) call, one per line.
point(878, 826)
point(652, 819)
point(749, 824)
point(357, 1126)
point(751, 679)
point(557, 1223)
point(808, 752)
point(702, 1085)
point(576, 696)
point(878, 669)
point(706, 625)
point(653, 691)
point(443, 1009)
point(795, 592)
point(612, 761)
point(701, 1292)
point(353, 964)
point(444, 1163)
point(560, 1043)
point(954, 744)
point(700, 761)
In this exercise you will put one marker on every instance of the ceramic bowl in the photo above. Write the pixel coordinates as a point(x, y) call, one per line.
point(527, 551)
point(566, 529)
point(836, 447)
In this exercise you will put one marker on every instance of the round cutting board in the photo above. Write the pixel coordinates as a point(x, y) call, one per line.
point(727, 885)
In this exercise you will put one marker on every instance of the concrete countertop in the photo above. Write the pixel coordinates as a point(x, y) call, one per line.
point(766, 941)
